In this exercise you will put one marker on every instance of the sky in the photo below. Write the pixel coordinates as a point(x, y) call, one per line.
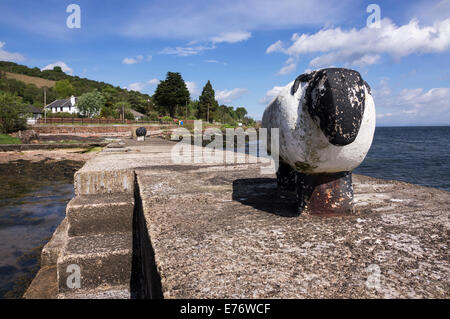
point(248, 49)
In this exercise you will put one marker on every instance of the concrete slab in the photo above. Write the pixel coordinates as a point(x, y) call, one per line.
point(229, 233)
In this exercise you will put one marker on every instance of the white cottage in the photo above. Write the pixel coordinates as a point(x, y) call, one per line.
point(64, 105)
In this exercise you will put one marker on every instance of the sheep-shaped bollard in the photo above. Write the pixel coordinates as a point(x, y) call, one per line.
point(140, 133)
point(326, 122)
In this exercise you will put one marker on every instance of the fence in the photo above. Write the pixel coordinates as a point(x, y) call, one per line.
point(100, 121)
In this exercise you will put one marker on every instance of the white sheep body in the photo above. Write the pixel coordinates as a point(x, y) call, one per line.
point(304, 146)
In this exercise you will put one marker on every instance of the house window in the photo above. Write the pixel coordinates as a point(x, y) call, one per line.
point(70, 107)
point(61, 109)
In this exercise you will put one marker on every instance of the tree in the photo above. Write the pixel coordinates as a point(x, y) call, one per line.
point(12, 113)
point(207, 103)
point(63, 89)
point(90, 104)
point(121, 108)
point(241, 112)
point(192, 110)
point(31, 93)
point(138, 102)
point(171, 93)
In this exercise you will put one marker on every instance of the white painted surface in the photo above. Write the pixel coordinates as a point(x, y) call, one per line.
point(302, 140)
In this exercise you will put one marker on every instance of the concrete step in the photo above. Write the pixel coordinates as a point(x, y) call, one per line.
point(103, 260)
point(107, 292)
point(44, 285)
point(52, 249)
point(102, 213)
point(99, 180)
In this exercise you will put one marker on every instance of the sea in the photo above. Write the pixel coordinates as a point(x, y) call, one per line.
point(418, 155)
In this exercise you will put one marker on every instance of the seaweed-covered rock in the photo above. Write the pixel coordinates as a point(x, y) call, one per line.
point(28, 136)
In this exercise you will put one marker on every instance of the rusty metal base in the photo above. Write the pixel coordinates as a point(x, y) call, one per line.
point(324, 194)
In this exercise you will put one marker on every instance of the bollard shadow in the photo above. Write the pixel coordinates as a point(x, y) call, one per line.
point(263, 194)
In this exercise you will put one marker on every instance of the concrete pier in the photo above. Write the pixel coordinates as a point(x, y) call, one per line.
point(143, 227)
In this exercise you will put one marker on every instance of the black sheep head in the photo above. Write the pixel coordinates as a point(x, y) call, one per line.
point(335, 99)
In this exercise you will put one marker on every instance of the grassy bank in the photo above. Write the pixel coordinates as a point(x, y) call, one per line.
point(6, 139)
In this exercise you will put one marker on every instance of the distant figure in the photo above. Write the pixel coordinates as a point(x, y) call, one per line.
point(326, 120)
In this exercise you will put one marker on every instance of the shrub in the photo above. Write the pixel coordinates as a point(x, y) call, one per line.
point(229, 126)
point(166, 119)
point(129, 115)
point(12, 113)
point(153, 116)
point(109, 112)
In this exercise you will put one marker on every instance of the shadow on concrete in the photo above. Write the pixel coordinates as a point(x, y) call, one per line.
point(145, 280)
point(263, 194)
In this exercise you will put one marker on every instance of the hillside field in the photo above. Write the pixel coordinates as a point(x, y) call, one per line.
point(39, 82)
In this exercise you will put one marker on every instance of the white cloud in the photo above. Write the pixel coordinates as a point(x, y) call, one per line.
point(412, 106)
point(231, 37)
point(428, 11)
point(210, 44)
point(276, 47)
point(137, 59)
point(187, 51)
point(214, 61)
point(62, 65)
point(287, 69)
point(139, 86)
point(136, 86)
point(420, 99)
point(227, 96)
point(365, 46)
point(192, 88)
point(380, 116)
point(271, 94)
point(8, 56)
point(153, 81)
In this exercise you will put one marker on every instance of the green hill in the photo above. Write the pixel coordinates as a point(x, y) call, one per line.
point(29, 83)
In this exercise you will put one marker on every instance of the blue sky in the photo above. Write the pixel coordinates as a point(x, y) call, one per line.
point(246, 48)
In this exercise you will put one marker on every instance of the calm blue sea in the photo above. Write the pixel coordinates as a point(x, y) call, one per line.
point(418, 155)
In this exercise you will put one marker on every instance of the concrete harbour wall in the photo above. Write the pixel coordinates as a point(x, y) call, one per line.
point(143, 227)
